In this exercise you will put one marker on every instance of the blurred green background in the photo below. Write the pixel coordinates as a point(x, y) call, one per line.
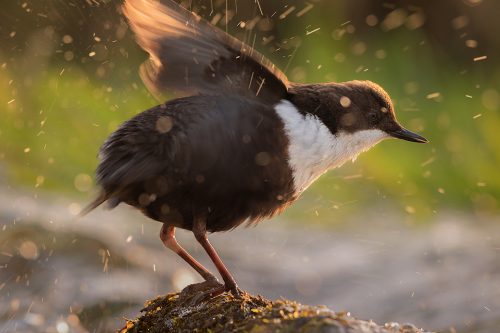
point(68, 78)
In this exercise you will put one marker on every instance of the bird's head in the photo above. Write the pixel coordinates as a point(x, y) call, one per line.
point(358, 109)
point(358, 114)
point(364, 105)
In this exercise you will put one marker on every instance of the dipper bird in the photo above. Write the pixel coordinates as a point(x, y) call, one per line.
point(241, 145)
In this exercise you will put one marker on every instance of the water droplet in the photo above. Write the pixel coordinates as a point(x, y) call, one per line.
point(263, 158)
point(83, 182)
point(164, 124)
point(200, 178)
point(371, 20)
point(62, 327)
point(182, 278)
point(28, 250)
point(74, 208)
point(67, 39)
point(345, 101)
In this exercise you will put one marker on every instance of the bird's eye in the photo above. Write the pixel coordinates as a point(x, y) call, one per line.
point(373, 117)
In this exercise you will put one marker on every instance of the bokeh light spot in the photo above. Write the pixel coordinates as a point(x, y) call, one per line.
point(28, 250)
point(83, 182)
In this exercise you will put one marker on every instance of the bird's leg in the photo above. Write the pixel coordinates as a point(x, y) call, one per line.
point(200, 232)
point(167, 236)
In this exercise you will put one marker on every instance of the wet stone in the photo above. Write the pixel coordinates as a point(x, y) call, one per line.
point(226, 313)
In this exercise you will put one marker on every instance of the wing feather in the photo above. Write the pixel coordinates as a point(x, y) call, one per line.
point(188, 55)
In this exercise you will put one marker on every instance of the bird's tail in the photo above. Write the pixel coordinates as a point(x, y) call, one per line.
point(94, 204)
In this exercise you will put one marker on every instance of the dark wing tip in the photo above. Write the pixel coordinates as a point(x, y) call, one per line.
point(101, 198)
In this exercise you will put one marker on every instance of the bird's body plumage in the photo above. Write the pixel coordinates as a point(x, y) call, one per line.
point(241, 145)
point(192, 154)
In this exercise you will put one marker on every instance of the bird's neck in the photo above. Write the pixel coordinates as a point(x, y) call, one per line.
point(314, 148)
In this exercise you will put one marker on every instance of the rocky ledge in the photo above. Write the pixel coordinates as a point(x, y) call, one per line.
point(179, 312)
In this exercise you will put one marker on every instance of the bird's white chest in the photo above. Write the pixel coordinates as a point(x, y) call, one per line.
point(313, 149)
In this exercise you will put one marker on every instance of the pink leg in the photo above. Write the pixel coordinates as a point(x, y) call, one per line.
point(167, 236)
point(200, 232)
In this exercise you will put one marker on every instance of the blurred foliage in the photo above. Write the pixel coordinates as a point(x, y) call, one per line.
point(68, 77)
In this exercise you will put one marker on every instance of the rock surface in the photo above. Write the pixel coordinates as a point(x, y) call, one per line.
point(254, 314)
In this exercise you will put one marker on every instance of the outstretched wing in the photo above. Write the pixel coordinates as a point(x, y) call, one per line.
point(189, 55)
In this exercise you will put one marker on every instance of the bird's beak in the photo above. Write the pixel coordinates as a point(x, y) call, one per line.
point(407, 135)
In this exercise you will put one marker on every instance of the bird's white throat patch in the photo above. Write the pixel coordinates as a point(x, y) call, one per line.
point(313, 149)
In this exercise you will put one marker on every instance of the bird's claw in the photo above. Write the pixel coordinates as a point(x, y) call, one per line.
point(196, 293)
point(235, 291)
point(198, 288)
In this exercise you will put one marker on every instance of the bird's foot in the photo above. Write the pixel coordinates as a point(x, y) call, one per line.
point(235, 291)
point(197, 288)
point(200, 292)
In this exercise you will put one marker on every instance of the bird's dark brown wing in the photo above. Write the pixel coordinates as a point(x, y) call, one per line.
point(188, 55)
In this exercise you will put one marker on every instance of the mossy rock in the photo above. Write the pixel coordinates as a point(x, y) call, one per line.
point(252, 314)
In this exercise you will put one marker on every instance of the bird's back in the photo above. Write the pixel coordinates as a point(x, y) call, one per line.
point(223, 155)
